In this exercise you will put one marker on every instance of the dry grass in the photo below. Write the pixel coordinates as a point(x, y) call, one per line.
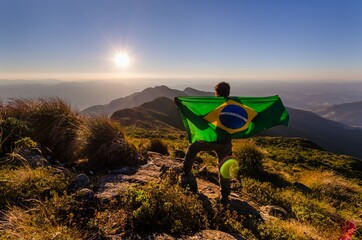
point(343, 194)
point(157, 145)
point(35, 224)
point(328, 181)
point(104, 144)
point(52, 121)
point(112, 221)
point(23, 184)
point(18, 108)
point(249, 157)
point(290, 229)
point(56, 125)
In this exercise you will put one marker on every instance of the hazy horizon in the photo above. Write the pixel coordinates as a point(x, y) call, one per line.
point(83, 94)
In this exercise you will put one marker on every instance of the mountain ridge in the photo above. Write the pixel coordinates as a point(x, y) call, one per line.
point(347, 113)
point(134, 100)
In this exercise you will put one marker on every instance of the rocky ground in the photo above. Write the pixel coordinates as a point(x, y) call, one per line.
point(159, 166)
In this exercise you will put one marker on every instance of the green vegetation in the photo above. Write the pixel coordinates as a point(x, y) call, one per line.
point(157, 145)
point(249, 157)
point(22, 184)
point(36, 223)
point(104, 145)
point(318, 191)
point(12, 130)
point(163, 206)
point(49, 121)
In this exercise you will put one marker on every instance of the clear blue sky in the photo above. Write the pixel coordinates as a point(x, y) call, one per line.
point(241, 39)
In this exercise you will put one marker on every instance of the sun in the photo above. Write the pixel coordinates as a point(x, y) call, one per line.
point(122, 59)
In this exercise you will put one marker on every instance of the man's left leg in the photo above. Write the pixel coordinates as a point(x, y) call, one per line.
point(222, 153)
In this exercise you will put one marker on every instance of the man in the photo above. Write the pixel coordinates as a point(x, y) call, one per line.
point(223, 149)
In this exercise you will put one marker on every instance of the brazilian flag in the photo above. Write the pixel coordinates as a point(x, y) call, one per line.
point(216, 118)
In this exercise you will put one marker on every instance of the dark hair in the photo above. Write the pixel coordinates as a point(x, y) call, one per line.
point(222, 89)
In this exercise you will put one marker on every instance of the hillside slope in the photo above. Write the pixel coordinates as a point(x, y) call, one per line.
point(152, 119)
point(347, 113)
point(330, 135)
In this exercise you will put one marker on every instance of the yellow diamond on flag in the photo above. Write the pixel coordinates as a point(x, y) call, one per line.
point(231, 116)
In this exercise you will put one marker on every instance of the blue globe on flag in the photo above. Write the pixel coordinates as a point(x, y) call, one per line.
point(233, 116)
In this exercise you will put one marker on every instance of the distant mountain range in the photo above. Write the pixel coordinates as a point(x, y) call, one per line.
point(161, 113)
point(310, 96)
point(138, 98)
point(347, 113)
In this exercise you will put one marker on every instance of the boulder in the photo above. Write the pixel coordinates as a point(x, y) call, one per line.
point(82, 181)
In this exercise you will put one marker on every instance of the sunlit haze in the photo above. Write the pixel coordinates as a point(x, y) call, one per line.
point(205, 40)
point(122, 59)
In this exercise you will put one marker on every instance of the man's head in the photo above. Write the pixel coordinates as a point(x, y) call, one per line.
point(222, 89)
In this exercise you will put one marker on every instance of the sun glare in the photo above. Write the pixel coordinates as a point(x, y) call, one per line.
point(122, 59)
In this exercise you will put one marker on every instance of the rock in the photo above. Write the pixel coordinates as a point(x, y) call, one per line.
point(36, 161)
point(82, 181)
point(124, 170)
point(143, 157)
point(274, 211)
point(85, 194)
point(28, 157)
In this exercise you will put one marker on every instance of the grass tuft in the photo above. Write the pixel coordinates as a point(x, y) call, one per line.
point(249, 157)
point(56, 125)
point(23, 184)
point(35, 224)
point(51, 122)
point(157, 145)
point(105, 146)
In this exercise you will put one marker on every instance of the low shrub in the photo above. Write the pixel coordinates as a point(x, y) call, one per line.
point(249, 157)
point(178, 153)
point(52, 123)
point(157, 145)
point(262, 192)
point(56, 126)
point(105, 146)
point(163, 206)
point(11, 130)
point(223, 218)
